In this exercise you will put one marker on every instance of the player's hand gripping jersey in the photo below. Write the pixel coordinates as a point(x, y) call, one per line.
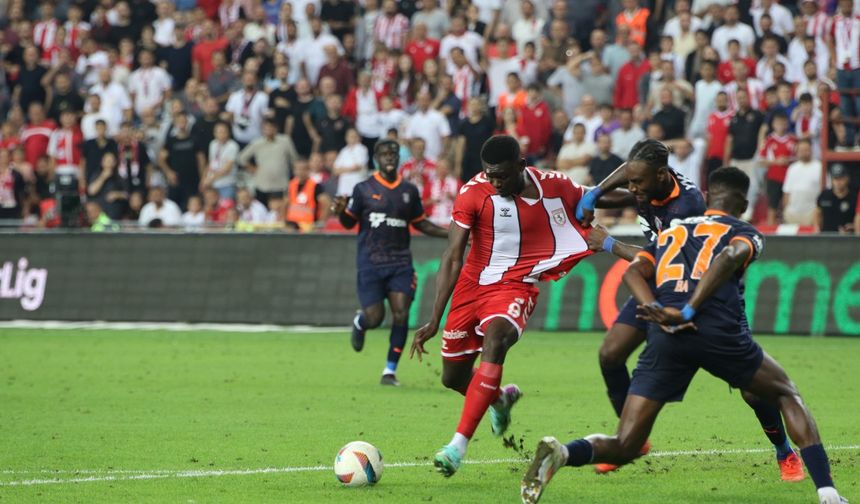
point(515, 243)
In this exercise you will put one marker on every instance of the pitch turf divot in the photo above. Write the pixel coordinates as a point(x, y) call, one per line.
point(102, 475)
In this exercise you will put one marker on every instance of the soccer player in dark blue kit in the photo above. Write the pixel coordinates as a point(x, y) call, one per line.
point(384, 206)
point(661, 195)
point(688, 285)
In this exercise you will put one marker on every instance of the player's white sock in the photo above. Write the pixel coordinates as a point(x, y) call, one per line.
point(460, 442)
point(565, 452)
point(387, 370)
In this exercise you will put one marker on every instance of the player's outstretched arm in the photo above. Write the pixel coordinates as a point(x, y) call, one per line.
point(430, 229)
point(616, 198)
point(600, 240)
point(446, 278)
point(586, 205)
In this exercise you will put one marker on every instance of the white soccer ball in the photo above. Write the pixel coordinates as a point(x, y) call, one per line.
point(358, 464)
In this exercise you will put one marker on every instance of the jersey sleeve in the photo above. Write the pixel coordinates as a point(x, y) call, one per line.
point(356, 204)
point(751, 237)
point(416, 208)
point(649, 252)
point(465, 213)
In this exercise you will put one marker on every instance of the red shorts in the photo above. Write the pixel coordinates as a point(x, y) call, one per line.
point(473, 306)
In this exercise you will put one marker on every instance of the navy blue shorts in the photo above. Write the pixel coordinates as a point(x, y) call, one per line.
point(667, 365)
point(627, 315)
point(374, 284)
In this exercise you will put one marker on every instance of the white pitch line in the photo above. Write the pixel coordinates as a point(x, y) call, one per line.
point(100, 475)
point(166, 326)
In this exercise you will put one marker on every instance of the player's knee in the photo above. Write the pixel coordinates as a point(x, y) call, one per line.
point(750, 398)
point(611, 356)
point(373, 318)
point(399, 316)
point(498, 342)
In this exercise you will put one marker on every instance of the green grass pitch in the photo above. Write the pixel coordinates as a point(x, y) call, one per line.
point(149, 416)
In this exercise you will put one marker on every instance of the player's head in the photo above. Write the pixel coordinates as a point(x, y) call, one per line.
point(648, 170)
point(386, 152)
point(503, 165)
point(727, 190)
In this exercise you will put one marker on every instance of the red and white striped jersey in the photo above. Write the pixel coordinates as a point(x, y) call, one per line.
point(44, 33)
point(518, 240)
point(845, 34)
point(391, 31)
point(755, 90)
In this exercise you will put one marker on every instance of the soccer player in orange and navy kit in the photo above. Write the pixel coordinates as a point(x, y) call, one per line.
point(384, 206)
point(521, 221)
point(661, 195)
point(689, 285)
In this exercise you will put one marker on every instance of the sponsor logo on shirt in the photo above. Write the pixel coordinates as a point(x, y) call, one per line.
point(454, 335)
point(379, 218)
point(505, 212)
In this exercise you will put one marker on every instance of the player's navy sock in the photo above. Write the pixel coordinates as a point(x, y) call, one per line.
point(395, 345)
point(771, 423)
point(359, 321)
point(817, 464)
point(483, 390)
point(617, 383)
point(579, 453)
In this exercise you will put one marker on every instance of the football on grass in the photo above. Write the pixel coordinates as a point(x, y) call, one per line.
point(358, 464)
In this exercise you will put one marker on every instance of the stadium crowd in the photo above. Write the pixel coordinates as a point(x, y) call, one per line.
point(247, 114)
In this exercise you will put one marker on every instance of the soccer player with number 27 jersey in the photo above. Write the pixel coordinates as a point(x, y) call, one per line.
point(689, 286)
point(521, 221)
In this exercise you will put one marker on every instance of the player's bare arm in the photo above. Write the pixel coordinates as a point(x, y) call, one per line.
point(638, 278)
point(616, 198)
point(430, 229)
point(338, 207)
point(446, 278)
point(600, 240)
point(586, 205)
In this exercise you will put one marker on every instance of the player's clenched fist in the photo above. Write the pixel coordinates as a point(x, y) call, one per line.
point(423, 334)
point(339, 204)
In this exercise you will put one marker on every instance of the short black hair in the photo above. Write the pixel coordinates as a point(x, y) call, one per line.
point(731, 178)
point(779, 114)
point(500, 149)
point(653, 153)
point(385, 141)
point(805, 98)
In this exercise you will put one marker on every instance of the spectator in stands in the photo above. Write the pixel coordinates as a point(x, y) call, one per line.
point(670, 117)
point(98, 219)
point(731, 29)
point(418, 170)
point(247, 108)
point(604, 162)
point(63, 97)
point(115, 99)
point(222, 81)
point(528, 27)
point(705, 94)
point(250, 210)
point(12, 189)
point(159, 211)
point(575, 155)
point(28, 86)
point(194, 218)
point(567, 82)
point(767, 32)
point(555, 48)
point(770, 57)
point(716, 133)
point(180, 162)
point(514, 97)
point(434, 18)
point(776, 154)
point(350, 166)
point(742, 145)
point(801, 187)
point(37, 133)
point(628, 133)
point(337, 68)
point(149, 85)
point(686, 159)
point(626, 93)
point(274, 156)
point(108, 188)
point(307, 203)
point(614, 55)
point(635, 18)
point(807, 123)
point(93, 151)
point(535, 120)
point(221, 169)
point(837, 206)
point(844, 40)
point(439, 194)
point(473, 132)
point(753, 88)
point(430, 125)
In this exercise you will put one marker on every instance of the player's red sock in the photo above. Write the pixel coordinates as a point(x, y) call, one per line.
point(483, 391)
